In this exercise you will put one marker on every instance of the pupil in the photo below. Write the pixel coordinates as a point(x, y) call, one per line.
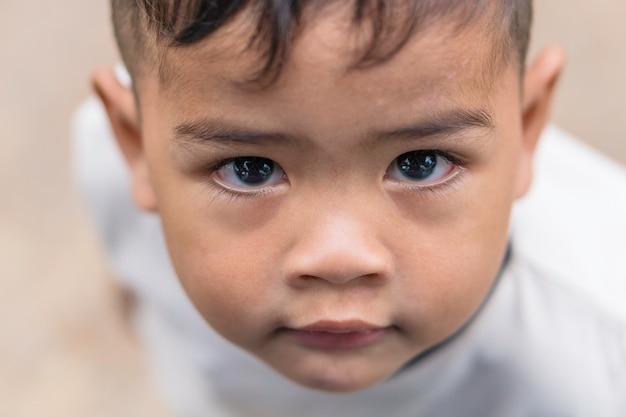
point(253, 170)
point(418, 165)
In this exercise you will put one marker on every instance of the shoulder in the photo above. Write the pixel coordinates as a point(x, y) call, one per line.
point(556, 305)
point(568, 276)
point(572, 225)
point(568, 346)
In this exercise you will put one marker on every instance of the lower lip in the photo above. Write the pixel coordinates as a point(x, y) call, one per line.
point(338, 340)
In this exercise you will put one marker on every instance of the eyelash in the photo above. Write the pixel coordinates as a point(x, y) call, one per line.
point(437, 190)
point(440, 189)
point(235, 196)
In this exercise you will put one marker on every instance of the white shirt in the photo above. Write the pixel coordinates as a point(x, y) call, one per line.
point(550, 340)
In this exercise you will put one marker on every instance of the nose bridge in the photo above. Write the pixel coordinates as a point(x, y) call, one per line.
point(339, 241)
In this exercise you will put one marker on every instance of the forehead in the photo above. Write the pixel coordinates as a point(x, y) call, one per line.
point(438, 67)
point(245, 45)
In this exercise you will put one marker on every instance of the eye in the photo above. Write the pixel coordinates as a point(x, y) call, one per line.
point(249, 173)
point(423, 167)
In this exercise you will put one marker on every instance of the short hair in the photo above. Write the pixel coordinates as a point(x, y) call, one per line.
point(145, 27)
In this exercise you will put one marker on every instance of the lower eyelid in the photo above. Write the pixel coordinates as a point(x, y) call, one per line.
point(243, 189)
point(221, 190)
point(451, 180)
point(219, 185)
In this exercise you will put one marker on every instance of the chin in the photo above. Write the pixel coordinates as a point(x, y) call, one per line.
point(336, 380)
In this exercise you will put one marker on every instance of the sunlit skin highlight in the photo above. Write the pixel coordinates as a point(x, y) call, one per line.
point(339, 242)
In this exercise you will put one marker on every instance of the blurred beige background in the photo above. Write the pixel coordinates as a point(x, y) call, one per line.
point(64, 348)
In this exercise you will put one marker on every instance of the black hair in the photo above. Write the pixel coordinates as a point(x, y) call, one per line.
point(177, 23)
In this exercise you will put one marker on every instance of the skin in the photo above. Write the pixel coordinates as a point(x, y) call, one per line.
point(342, 236)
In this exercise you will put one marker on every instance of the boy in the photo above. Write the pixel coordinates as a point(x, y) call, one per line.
point(334, 181)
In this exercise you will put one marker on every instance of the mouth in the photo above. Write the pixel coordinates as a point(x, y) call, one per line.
point(341, 335)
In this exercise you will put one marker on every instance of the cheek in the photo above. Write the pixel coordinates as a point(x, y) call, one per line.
point(227, 267)
point(447, 281)
point(453, 249)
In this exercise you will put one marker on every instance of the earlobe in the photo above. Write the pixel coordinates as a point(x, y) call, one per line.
point(539, 86)
point(121, 108)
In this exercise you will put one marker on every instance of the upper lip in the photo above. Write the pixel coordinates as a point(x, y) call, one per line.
point(347, 326)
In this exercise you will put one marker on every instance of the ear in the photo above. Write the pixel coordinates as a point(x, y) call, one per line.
point(539, 86)
point(121, 108)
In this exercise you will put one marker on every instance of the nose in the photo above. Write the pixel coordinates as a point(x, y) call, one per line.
point(337, 250)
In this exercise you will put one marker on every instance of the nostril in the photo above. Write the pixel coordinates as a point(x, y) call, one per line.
point(308, 278)
point(377, 279)
point(335, 278)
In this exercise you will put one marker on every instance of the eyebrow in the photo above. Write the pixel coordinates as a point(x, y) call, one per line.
point(444, 124)
point(221, 133)
point(440, 126)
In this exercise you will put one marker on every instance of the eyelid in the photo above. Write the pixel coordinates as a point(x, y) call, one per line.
point(221, 163)
point(458, 171)
point(232, 193)
point(439, 189)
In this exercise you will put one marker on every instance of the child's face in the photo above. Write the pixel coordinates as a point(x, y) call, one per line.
point(337, 223)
